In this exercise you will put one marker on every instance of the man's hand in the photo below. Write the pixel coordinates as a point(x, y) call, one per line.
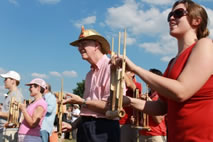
point(132, 120)
point(73, 99)
point(66, 127)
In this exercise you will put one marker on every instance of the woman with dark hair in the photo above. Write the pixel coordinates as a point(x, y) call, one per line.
point(186, 89)
point(34, 114)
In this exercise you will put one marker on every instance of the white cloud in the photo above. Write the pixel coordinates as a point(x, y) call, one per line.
point(166, 58)
point(130, 40)
point(86, 21)
point(13, 2)
point(211, 33)
point(39, 75)
point(137, 20)
point(57, 74)
point(148, 22)
point(49, 1)
point(2, 70)
point(210, 26)
point(159, 2)
point(70, 73)
point(166, 47)
point(2, 90)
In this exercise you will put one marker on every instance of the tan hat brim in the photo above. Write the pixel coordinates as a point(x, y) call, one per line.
point(104, 43)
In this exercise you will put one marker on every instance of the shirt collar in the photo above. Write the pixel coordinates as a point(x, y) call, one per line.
point(97, 66)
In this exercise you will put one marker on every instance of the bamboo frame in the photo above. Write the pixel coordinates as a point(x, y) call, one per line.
point(117, 83)
point(140, 116)
point(60, 110)
point(146, 116)
point(136, 113)
point(13, 118)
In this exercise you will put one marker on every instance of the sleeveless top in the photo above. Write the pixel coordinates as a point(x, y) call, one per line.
point(191, 120)
point(24, 129)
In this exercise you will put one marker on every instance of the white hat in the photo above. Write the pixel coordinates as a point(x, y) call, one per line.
point(38, 81)
point(76, 105)
point(5, 95)
point(11, 74)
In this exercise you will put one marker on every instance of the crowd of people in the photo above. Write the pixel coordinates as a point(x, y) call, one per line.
point(176, 104)
point(36, 118)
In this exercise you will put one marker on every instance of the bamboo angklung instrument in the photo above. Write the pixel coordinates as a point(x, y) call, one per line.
point(136, 113)
point(117, 84)
point(60, 110)
point(13, 118)
point(146, 116)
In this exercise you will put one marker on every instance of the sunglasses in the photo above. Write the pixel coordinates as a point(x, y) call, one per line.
point(84, 43)
point(7, 78)
point(178, 13)
point(33, 85)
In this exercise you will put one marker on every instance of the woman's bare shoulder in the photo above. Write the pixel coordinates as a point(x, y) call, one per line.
point(205, 41)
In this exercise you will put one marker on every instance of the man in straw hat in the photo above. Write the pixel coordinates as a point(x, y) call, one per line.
point(94, 126)
point(11, 82)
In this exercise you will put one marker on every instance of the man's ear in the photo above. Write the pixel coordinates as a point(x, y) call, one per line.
point(196, 21)
point(97, 46)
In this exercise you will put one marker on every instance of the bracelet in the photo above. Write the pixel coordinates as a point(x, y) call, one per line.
point(84, 104)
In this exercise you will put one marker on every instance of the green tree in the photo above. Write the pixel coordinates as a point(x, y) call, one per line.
point(79, 90)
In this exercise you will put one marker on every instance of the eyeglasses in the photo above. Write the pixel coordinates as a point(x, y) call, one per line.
point(85, 43)
point(178, 13)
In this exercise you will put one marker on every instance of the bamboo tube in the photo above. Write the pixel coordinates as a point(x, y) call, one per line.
point(60, 110)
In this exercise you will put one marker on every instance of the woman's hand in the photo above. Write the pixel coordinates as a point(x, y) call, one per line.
point(22, 107)
point(116, 62)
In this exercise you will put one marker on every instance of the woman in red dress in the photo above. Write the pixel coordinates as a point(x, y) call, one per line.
point(186, 89)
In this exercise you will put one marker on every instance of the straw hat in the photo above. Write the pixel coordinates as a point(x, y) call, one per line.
point(93, 35)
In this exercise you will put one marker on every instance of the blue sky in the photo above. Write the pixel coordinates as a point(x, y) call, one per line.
point(35, 36)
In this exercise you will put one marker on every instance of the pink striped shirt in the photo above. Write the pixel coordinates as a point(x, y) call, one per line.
point(97, 85)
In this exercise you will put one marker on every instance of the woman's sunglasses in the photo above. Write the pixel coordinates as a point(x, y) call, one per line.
point(178, 13)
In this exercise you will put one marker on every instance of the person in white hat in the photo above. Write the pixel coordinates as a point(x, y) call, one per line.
point(5, 96)
point(93, 48)
point(34, 114)
point(11, 82)
point(75, 114)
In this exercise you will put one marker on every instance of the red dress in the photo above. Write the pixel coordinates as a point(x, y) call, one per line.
point(192, 120)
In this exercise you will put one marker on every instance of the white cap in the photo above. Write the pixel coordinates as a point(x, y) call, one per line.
point(38, 81)
point(5, 95)
point(11, 74)
point(76, 105)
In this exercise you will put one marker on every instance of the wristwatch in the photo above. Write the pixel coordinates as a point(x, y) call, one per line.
point(84, 104)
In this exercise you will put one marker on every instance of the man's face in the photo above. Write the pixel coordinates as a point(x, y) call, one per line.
point(86, 48)
point(8, 82)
